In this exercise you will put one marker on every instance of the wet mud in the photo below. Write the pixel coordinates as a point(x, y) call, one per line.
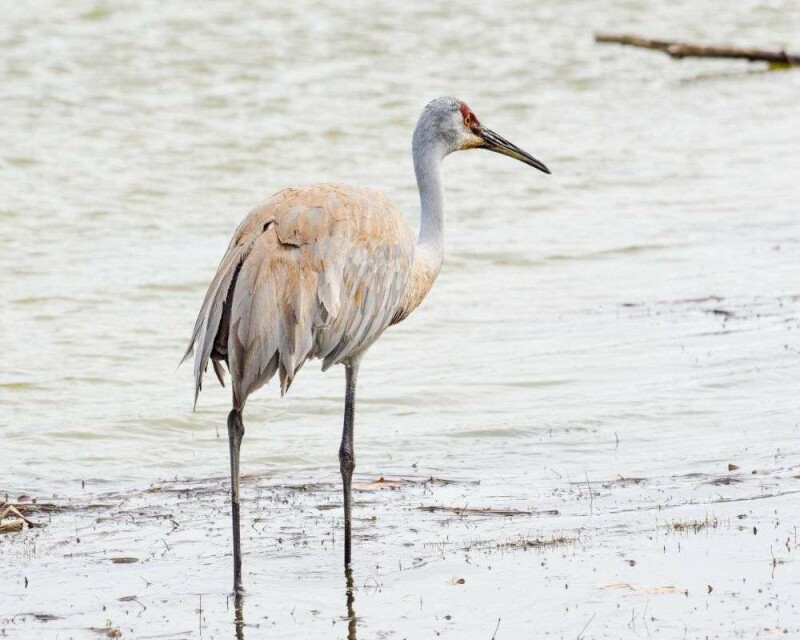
point(677, 556)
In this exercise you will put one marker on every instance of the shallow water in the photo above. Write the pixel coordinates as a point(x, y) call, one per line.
point(625, 557)
point(634, 315)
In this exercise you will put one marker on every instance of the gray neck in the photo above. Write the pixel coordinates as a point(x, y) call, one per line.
point(429, 151)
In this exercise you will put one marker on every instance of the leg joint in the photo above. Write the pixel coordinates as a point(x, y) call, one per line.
point(235, 424)
point(347, 461)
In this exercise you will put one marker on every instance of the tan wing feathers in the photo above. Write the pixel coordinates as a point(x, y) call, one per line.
point(323, 281)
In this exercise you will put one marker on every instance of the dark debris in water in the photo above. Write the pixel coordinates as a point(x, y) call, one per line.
point(46, 617)
point(738, 309)
point(535, 543)
point(693, 525)
point(467, 511)
point(724, 480)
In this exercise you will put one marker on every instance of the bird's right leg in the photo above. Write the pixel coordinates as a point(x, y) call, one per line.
point(347, 457)
point(235, 435)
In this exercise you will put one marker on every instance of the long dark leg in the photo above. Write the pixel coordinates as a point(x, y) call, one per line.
point(347, 457)
point(235, 434)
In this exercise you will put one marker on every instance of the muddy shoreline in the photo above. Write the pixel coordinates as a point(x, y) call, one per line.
point(435, 556)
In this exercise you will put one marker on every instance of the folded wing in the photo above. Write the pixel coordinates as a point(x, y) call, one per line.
point(317, 272)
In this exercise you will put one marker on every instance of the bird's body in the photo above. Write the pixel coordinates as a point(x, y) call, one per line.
point(321, 272)
point(316, 272)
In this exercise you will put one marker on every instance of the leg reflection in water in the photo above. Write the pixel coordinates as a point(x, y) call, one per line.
point(351, 598)
point(238, 609)
point(238, 616)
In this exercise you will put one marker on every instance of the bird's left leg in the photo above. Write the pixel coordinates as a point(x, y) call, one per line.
point(347, 457)
point(235, 435)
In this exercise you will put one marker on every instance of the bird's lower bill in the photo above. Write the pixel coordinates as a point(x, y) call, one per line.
point(498, 144)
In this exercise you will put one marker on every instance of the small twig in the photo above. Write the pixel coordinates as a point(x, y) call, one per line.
point(14, 511)
point(586, 626)
point(591, 500)
point(494, 635)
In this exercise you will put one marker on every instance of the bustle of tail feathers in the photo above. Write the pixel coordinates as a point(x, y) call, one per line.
point(210, 315)
point(198, 383)
point(218, 370)
point(187, 354)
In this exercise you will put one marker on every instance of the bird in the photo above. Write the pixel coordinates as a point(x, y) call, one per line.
point(320, 272)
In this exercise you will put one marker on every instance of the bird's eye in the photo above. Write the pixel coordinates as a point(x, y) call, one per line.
point(469, 119)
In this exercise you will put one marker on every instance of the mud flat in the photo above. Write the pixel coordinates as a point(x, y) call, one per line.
point(695, 555)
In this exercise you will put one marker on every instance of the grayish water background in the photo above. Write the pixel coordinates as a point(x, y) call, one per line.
point(634, 314)
point(137, 135)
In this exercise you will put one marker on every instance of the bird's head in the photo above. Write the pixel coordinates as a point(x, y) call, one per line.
point(451, 124)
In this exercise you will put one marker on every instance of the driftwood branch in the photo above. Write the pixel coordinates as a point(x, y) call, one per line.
point(687, 50)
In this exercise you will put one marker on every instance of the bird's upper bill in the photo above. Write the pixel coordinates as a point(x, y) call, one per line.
point(497, 143)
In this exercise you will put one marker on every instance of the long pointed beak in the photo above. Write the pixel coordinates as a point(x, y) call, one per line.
point(498, 144)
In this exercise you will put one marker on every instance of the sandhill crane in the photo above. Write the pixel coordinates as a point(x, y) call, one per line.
point(321, 272)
